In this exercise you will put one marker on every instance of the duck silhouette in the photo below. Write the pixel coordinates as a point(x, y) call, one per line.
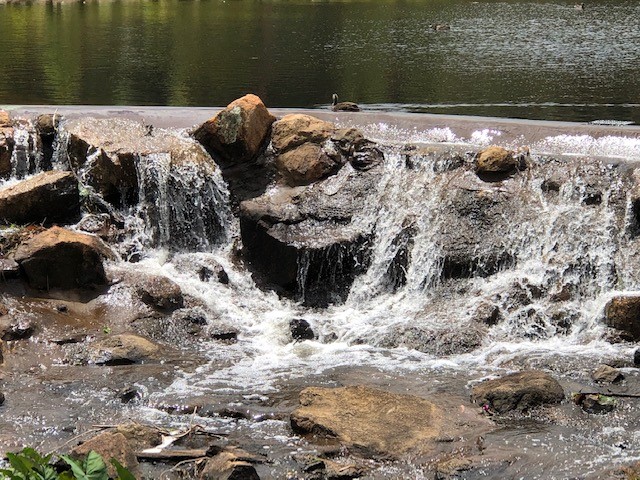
point(343, 106)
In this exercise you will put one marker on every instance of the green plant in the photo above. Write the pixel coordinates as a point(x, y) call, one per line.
point(30, 465)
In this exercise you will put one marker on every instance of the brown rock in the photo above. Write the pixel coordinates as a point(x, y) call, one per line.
point(60, 258)
point(47, 124)
point(50, 197)
point(495, 160)
point(123, 349)
point(623, 313)
point(381, 422)
point(295, 129)
point(518, 391)
point(228, 466)
point(607, 374)
point(110, 445)
point(5, 120)
point(140, 436)
point(306, 164)
point(238, 132)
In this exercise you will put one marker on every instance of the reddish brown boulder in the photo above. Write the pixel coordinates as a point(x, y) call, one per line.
point(238, 132)
point(495, 160)
point(61, 258)
point(5, 120)
point(306, 164)
point(50, 197)
point(623, 313)
point(295, 129)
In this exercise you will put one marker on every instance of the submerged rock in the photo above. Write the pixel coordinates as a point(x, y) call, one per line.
point(623, 313)
point(376, 422)
point(60, 258)
point(122, 349)
point(50, 197)
point(518, 391)
point(239, 132)
point(300, 329)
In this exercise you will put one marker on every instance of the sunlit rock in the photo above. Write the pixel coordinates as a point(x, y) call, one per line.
point(122, 349)
point(109, 445)
point(237, 133)
point(607, 374)
point(376, 422)
point(495, 160)
point(520, 391)
point(293, 130)
point(50, 197)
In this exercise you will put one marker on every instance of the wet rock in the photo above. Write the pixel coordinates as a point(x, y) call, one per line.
point(495, 160)
point(594, 403)
point(1, 395)
point(636, 357)
point(362, 153)
point(487, 313)
point(140, 436)
point(237, 133)
point(12, 329)
point(623, 313)
point(301, 241)
point(607, 374)
point(9, 268)
point(47, 124)
point(6, 150)
point(228, 466)
point(60, 258)
point(439, 341)
point(380, 422)
point(518, 391)
point(123, 349)
point(213, 272)
point(158, 292)
point(204, 267)
point(322, 468)
point(223, 333)
point(300, 329)
point(50, 197)
point(396, 275)
point(110, 445)
point(98, 224)
point(1, 360)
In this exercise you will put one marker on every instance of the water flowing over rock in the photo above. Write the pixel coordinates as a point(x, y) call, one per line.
point(238, 132)
point(123, 349)
point(60, 258)
point(382, 423)
point(518, 391)
point(50, 197)
point(6, 144)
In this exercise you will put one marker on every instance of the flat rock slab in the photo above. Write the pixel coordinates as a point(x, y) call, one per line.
point(384, 423)
point(50, 197)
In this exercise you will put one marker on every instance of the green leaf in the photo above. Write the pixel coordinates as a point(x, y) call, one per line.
point(76, 468)
point(18, 463)
point(123, 473)
point(95, 467)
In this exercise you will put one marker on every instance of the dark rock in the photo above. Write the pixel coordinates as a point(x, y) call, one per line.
point(487, 313)
point(396, 275)
point(109, 445)
point(98, 224)
point(440, 341)
point(300, 329)
point(594, 403)
point(62, 308)
point(623, 313)
point(239, 132)
point(47, 124)
point(60, 258)
point(129, 395)
point(218, 273)
point(223, 333)
point(518, 391)
point(1, 394)
point(15, 329)
point(6, 150)
point(123, 349)
point(50, 197)
point(636, 357)
point(607, 374)
point(140, 436)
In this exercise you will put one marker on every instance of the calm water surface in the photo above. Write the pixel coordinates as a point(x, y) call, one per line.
point(543, 60)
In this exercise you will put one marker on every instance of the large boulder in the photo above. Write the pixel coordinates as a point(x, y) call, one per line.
point(306, 164)
point(50, 197)
point(623, 313)
point(384, 423)
point(518, 391)
point(293, 130)
point(6, 150)
point(239, 132)
point(61, 258)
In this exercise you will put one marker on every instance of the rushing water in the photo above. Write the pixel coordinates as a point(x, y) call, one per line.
point(543, 60)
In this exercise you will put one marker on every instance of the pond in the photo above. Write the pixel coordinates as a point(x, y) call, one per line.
point(539, 60)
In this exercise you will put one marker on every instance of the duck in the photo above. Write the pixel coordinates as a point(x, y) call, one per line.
point(343, 106)
point(440, 27)
point(579, 6)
